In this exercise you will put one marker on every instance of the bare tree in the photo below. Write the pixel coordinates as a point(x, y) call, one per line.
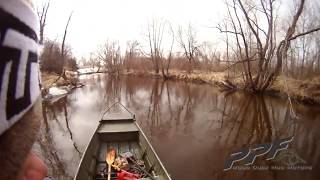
point(131, 53)
point(42, 14)
point(64, 53)
point(64, 36)
point(189, 44)
point(317, 53)
point(207, 55)
point(165, 65)
point(92, 62)
point(227, 50)
point(305, 48)
point(284, 45)
point(50, 60)
point(155, 37)
point(257, 45)
point(63, 50)
point(110, 55)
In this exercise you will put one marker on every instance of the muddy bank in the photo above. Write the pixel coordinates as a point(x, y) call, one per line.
point(52, 79)
point(301, 91)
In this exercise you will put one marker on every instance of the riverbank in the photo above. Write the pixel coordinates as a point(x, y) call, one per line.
point(302, 91)
point(54, 87)
point(48, 79)
point(52, 79)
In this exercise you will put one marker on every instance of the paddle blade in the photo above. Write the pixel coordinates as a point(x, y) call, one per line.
point(111, 155)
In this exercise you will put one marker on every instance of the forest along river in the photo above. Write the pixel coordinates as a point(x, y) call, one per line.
point(193, 128)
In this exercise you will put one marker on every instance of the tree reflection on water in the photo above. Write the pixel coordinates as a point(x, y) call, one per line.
point(193, 127)
point(56, 112)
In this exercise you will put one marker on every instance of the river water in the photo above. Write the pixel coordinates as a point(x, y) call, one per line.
point(193, 127)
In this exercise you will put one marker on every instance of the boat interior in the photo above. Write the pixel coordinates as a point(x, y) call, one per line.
point(122, 136)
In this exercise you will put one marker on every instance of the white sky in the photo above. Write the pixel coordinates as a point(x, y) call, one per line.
point(95, 21)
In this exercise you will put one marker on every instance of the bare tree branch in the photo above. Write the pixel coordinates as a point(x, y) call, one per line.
point(65, 35)
point(304, 33)
point(227, 31)
point(42, 19)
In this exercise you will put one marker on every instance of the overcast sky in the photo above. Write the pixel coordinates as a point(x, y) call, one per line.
point(95, 21)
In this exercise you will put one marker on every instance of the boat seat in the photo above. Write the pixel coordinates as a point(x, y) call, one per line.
point(118, 127)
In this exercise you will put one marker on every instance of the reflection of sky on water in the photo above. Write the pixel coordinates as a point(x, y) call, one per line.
point(193, 128)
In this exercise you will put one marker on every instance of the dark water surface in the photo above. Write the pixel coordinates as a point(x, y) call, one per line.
point(193, 128)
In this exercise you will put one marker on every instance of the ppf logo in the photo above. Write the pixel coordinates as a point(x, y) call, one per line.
point(248, 155)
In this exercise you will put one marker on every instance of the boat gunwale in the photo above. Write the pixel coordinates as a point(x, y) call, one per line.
point(153, 151)
point(133, 120)
point(84, 154)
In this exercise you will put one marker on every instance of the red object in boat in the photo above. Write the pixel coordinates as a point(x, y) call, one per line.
point(125, 175)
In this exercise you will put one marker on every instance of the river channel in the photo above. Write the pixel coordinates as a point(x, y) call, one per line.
point(193, 127)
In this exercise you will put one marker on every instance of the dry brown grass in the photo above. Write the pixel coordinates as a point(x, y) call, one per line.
point(48, 79)
point(305, 90)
